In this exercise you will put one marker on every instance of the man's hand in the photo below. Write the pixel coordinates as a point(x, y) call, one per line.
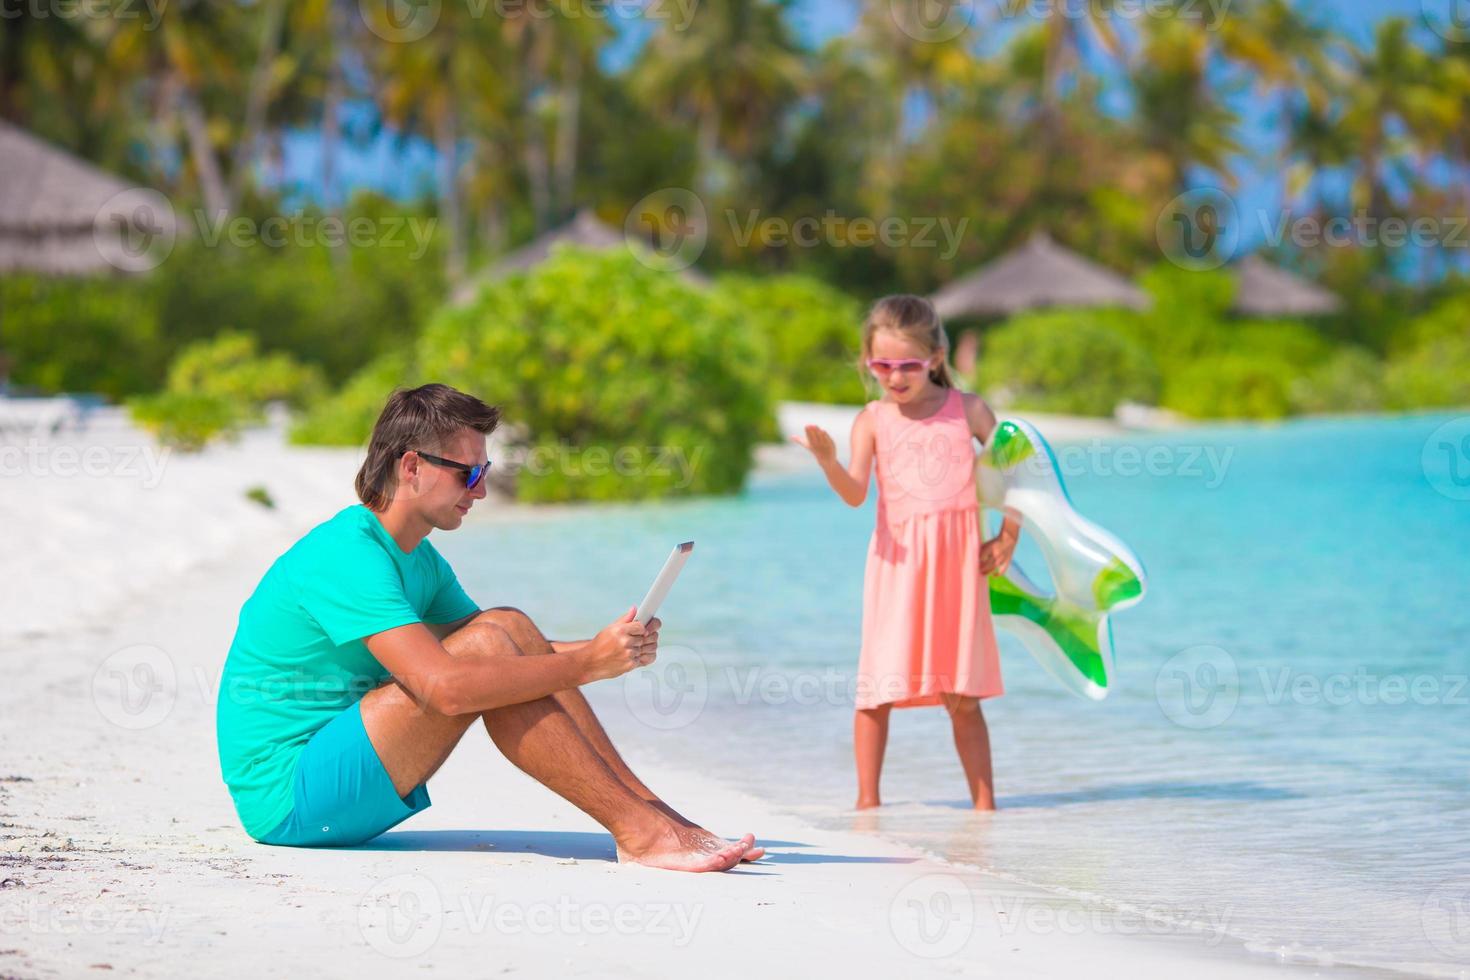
point(620, 647)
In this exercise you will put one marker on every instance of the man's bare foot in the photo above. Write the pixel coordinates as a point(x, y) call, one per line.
point(686, 849)
point(754, 854)
point(864, 803)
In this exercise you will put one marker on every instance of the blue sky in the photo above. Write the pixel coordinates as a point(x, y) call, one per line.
point(404, 169)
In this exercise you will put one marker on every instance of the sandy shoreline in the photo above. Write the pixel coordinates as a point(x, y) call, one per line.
point(121, 851)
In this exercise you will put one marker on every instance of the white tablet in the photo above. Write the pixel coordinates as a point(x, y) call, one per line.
point(648, 608)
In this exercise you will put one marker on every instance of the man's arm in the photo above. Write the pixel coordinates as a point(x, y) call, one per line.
point(441, 630)
point(454, 685)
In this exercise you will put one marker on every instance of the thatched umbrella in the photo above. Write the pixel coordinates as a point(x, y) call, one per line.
point(1039, 274)
point(1264, 289)
point(586, 230)
point(59, 215)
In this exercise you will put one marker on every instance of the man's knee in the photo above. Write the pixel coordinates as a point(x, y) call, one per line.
point(509, 618)
point(482, 638)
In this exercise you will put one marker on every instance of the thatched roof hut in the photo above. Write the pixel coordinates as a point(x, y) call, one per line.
point(586, 230)
point(1264, 289)
point(59, 215)
point(1040, 274)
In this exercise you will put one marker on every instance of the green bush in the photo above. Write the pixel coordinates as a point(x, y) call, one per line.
point(346, 417)
point(1433, 374)
point(1350, 380)
point(185, 420)
point(810, 331)
point(336, 307)
point(216, 386)
point(231, 367)
point(99, 335)
point(595, 352)
point(1232, 386)
point(1066, 361)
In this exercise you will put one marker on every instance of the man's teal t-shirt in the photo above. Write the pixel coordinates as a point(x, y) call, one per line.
point(298, 660)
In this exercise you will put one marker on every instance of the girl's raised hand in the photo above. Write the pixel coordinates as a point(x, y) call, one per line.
point(819, 443)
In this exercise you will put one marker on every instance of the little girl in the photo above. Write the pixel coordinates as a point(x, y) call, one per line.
point(927, 635)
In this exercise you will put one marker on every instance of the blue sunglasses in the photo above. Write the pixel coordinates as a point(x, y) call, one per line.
point(472, 474)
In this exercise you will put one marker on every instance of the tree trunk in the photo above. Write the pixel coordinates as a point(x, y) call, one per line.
point(446, 143)
point(569, 108)
point(257, 97)
point(331, 131)
point(206, 167)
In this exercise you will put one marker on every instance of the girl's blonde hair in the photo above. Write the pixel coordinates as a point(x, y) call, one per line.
point(916, 319)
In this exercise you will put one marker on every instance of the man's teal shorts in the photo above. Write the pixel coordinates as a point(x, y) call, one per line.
point(343, 795)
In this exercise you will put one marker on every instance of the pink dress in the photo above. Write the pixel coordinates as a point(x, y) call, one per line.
point(926, 607)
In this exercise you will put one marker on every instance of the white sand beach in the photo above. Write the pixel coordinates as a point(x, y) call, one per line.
point(121, 854)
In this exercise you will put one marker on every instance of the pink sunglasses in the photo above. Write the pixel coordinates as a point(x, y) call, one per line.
point(881, 365)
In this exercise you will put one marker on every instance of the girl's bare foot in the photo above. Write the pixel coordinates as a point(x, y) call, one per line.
point(677, 848)
point(867, 803)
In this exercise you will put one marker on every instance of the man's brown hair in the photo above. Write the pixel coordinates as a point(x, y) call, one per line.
point(419, 419)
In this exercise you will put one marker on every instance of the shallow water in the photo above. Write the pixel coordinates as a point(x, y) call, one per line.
point(1285, 759)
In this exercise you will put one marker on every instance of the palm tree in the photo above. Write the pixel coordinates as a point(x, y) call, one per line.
point(730, 73)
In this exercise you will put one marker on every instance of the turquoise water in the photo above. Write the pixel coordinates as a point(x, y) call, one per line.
point(1286, 754)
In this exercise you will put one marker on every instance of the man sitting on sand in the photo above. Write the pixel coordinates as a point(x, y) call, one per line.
point(359, 663)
